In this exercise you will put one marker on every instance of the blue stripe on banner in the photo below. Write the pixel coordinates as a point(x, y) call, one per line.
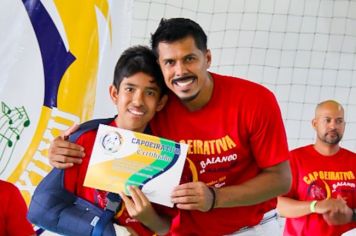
point(55, 57)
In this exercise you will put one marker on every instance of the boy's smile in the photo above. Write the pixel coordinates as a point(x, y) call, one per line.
point(137, 101)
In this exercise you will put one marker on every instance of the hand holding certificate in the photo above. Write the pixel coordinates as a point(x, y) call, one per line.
point(122, 158)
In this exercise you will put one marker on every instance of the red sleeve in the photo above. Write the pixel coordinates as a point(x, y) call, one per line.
point(16, 222)
point(71, 175)
point(268, 136)
point(70, 178)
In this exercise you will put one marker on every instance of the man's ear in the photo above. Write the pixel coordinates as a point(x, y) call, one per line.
point(113, 93)
point(208, 57)
point(313, 122)
point(162, 102)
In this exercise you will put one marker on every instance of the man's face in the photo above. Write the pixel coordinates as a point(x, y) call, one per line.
point(184, 67)
point(137, 101)
point(329, 124)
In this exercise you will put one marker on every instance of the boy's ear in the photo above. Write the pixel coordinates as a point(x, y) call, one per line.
point(162, 102)
point(113, 93)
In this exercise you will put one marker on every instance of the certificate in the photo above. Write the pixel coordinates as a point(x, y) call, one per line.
point(122, 158)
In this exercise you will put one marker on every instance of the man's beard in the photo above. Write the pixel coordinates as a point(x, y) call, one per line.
point(189, 99)
point(331, 140)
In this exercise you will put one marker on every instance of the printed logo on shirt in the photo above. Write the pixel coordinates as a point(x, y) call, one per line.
point(328, 175)
point(209, 147)
point(218, 160)
point(213, 162)
point(327, 184)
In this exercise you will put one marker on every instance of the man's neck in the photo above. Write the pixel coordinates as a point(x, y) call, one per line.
point(326, 149)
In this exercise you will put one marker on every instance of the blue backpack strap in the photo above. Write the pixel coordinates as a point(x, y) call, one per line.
point(56, 209)
point(113, 205)
point(113, 199)
point(87, 126)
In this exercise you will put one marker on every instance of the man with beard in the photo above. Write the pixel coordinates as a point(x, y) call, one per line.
point(322, 199)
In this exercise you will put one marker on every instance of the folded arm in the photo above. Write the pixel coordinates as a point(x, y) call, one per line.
point(293, 208)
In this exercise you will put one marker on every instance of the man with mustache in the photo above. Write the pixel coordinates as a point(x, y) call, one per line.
point(238, 156)
point(323, 194)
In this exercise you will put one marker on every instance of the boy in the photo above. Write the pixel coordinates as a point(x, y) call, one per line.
point(138, 92)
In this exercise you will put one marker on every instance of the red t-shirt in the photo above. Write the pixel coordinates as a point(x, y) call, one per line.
point(74, 179)
point(317, 177)
point(13, 212)
point(232, 138)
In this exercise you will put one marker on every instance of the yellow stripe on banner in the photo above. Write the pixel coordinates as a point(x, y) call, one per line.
point(34, 164)
point(104, 8)
point(76, 94)
point(81, 27)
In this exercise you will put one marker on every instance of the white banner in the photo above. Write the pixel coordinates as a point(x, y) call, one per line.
point(56, 55)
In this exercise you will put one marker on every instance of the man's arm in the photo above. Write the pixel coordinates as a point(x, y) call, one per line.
point(270, 183)
point(292, 208)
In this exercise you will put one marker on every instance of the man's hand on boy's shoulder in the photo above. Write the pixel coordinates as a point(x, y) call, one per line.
point(63, 154)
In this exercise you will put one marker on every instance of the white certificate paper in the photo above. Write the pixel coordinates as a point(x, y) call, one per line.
point(122, 158)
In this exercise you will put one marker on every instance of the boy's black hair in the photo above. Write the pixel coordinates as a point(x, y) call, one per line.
point(138, 59)
point(171, 30)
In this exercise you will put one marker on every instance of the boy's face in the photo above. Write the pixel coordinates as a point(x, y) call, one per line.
point(184, 67)
point(137, 101)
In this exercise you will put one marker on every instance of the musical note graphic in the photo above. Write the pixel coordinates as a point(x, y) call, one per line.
point(20, 113)
point(12, 124)
point(15, 131)
point(5, 108)
point(9, 142)
point(6, 111)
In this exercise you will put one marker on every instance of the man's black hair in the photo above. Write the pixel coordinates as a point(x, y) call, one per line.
point(171, 30)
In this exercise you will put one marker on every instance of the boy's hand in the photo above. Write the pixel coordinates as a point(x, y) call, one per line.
point(63, 154)
point(138, 207)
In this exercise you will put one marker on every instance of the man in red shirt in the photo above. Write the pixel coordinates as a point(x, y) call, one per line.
point(322, 199)
point(238, 155)
point(13, 212)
